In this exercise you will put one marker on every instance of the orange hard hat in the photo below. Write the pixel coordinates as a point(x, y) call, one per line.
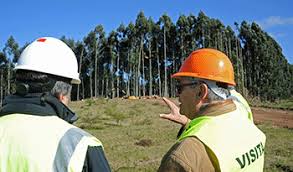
point(208, 64)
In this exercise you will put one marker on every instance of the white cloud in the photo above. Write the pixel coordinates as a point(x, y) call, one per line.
point(275, 21)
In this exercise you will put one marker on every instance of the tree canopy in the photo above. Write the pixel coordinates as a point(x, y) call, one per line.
point(139, 58)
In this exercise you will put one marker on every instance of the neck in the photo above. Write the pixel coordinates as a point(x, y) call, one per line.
point(215, 108)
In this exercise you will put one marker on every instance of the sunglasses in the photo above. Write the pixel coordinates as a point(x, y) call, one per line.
point(179, 87)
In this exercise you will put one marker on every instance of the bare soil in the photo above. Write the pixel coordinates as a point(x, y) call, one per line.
point(276, 117)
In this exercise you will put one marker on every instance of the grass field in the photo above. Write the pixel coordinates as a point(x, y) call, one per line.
point(278, 104)
point(135, 138)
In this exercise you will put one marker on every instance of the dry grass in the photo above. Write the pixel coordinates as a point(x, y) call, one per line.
point(135, 138)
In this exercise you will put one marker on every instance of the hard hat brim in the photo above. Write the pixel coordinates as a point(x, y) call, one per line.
point(195, 75)
point(74, 80)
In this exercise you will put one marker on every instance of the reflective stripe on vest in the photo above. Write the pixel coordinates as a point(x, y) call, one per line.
point(236, 142)
point(38, 143)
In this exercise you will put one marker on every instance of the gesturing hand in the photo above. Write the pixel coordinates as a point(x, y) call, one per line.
point(174, 115)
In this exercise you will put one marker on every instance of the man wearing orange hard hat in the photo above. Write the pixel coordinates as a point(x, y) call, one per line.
point(218, 132)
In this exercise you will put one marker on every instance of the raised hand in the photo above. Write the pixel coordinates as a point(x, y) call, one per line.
point(174, 115)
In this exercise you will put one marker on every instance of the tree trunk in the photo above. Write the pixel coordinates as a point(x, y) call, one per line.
point(96, 68)
point(203, 36)
point(91, 84)
point(242, 72)
point(182, 49)
point(111, 74)
point(165, 66)
point(139, 63)
point(118, 77)
point(150, 71)
point(135, 68)
point(172, 94)
point(82, 82)
point(79, 71)
point(143, 76)
point(236, 68)
point(8, 78)
point(1, 88)
point(159, 73)
point(106, 88)
point(129, 74)
point(103, 83)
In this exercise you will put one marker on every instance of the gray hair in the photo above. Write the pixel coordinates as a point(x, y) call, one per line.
point(62, 88)
point(212, 96)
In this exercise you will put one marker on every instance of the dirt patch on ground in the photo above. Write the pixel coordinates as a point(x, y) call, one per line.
point(144, 143)
point(276, 117)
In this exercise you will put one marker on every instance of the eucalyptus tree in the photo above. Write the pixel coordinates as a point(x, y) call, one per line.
point(138, 56)
point(94, 46)
point(3, 62)
point(216, 29)
point(112, 43)
point(182, 26)
point(166, 23)
point(12, 53)
point(174, 57)
point(203, 30)
point(191, 36)
point(246, 39)
point(130, 69)
point(156, 38)
point(265, 65)
point(80, 52)
point(232, 47)
point(122, 48)
point(149, 41)
point(141, 25)
point(90, 48)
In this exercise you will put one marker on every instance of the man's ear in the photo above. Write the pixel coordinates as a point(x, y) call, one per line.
point(60, 97)
point(203, 91)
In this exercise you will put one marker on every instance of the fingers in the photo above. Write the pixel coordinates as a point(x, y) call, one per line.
point(167, 116)
point(170, 103)
point(164, 116)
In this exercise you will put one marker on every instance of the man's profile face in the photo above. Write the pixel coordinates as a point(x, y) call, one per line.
point(188, 97)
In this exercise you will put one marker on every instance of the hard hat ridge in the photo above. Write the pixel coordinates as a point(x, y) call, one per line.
point(208, 64)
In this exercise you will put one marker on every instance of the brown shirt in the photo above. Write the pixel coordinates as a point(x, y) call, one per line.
point(190, 154)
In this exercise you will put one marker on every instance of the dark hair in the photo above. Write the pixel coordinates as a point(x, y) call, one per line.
point(37, 82)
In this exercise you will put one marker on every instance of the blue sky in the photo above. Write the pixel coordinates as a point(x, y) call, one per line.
point(30, 19)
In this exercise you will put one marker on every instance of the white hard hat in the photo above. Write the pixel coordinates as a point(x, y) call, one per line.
point(52, 56)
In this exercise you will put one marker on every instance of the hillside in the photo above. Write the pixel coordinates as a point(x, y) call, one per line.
point(135, 138)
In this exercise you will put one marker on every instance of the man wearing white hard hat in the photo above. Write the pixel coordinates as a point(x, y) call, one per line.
point(35, 123)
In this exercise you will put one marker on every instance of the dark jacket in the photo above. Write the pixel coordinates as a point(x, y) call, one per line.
point(47, 105)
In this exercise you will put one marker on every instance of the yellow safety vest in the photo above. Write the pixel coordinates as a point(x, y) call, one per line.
point(42, 143)
point(238, 145)
point(238, 98)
